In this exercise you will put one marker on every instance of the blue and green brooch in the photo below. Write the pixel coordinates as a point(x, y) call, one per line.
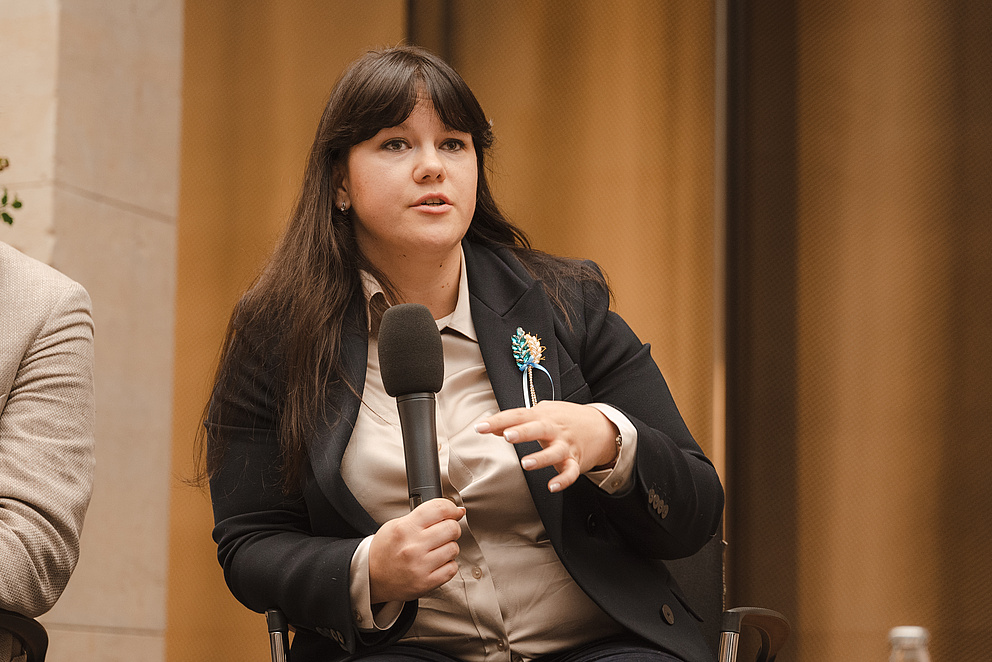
point(528, 353)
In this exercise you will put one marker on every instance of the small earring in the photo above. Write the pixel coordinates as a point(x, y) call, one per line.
point(343, 207)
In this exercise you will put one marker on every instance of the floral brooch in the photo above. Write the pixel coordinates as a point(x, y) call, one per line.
point(528, 353)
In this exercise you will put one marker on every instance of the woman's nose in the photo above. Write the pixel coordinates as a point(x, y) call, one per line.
point(429, 165)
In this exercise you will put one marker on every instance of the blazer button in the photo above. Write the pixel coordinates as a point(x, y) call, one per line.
point(591, 525)
point(666, 613)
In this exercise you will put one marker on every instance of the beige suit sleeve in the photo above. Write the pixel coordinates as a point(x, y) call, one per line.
point(46, 444)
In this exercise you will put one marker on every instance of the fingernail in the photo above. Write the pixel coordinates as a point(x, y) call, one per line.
point(482, 427)
point(554, 487)
point(510, 435)
point(528, 463)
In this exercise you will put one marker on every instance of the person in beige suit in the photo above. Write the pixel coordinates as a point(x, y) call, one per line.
point(46, 432)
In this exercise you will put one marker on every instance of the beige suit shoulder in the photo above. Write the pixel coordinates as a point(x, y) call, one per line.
point(23, 278)
point(46, 429)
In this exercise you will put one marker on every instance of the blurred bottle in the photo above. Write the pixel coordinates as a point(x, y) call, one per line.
point(909, 644)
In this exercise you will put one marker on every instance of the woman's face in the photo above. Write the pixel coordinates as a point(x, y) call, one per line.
point(411, 189)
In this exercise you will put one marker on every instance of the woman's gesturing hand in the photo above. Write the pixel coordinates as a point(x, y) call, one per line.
point(575, 438)
point(414, 554)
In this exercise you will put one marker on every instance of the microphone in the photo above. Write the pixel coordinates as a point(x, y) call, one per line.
point(412, 364)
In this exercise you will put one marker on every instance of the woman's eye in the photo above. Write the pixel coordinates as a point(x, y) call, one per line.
point(394, 145)
point(453, 145)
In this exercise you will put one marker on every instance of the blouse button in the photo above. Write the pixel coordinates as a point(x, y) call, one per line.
point(477, 573)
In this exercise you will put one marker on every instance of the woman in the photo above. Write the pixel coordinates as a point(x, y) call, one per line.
point(556, 515)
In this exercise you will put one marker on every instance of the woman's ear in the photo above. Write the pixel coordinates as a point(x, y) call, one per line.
point(341, 184)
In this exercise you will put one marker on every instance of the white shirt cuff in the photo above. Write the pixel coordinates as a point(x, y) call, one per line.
point(361, 594)
point(620, 476)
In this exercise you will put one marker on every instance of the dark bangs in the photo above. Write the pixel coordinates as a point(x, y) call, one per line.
point(382, 88)
point(456, 105)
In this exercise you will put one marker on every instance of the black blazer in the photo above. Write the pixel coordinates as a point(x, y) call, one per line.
point(294, 552)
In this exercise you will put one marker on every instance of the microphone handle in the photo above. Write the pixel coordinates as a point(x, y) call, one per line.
point(419, 427)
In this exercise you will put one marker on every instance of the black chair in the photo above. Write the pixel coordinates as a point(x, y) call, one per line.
point(701, 578)
point(771, 625)
point(31, 634)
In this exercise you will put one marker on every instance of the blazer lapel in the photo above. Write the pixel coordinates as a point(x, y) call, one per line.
point(338, 421)
point(503, 299)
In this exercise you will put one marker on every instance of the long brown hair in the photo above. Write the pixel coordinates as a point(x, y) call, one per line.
point(300, 299)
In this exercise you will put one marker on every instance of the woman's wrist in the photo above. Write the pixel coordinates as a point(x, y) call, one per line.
point(617, 445)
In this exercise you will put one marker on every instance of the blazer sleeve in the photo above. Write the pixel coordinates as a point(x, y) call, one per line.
point(676, 501)
point(271, 552)
point(46, 451)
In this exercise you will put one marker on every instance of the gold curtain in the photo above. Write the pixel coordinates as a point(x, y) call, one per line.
point(858, 446)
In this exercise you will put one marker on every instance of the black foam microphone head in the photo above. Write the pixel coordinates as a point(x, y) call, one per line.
point(410, 356)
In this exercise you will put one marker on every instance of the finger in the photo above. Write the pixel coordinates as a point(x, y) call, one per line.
point(443, 575)
point(550, 455)
point(540, 430)
point(568, 476)
point(437, 510)
point(440, 534)
point(498, 422)
point(441, 556)
point(440, 565)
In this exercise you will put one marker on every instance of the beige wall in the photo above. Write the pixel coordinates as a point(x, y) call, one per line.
point(27, 121)
point(90, 123)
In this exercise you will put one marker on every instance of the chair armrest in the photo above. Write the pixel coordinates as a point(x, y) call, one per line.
point(771, 625)
point(31, 633)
